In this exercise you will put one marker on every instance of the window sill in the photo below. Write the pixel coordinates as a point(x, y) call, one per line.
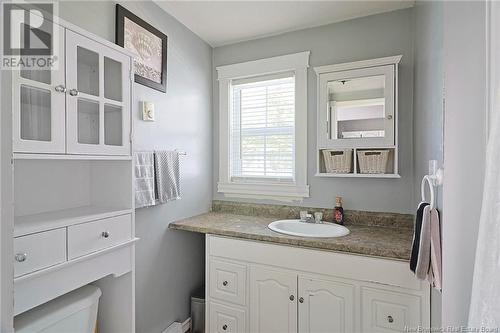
point(276, 191)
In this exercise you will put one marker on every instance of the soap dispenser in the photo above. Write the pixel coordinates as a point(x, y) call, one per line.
point(338, 211)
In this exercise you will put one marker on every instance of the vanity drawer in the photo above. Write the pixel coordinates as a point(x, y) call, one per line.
point(387, 311)
point(97, 235)
point(228, 281)
point(225, 319)
point(37, 251)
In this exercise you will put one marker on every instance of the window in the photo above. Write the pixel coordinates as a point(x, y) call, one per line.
point(263, 128)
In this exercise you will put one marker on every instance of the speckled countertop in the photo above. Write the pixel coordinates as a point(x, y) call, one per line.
point(374, 240)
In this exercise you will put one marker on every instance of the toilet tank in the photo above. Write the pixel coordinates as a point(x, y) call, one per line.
point(74, 312)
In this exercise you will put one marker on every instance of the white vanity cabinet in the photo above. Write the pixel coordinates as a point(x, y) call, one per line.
point(260, 287)
point(83, 107)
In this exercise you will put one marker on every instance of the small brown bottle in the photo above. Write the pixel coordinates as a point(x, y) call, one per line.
point(338, 211)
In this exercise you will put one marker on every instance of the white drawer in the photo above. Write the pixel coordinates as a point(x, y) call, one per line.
point(387, 311)
point(38, 251)
point(225, 319)
point(93, 236)
point(228, 281)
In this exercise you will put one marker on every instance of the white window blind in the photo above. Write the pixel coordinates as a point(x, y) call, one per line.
point(262, 131)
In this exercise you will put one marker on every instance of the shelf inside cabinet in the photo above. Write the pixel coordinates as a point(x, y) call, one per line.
point(35, 156)
point(33, 223)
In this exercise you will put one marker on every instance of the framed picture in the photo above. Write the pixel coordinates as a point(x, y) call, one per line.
point(149, 46)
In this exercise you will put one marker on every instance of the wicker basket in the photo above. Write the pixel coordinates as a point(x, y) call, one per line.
point(373, 161)
point(338, 161)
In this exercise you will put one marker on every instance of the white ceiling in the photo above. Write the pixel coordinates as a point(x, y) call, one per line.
point(225, 22)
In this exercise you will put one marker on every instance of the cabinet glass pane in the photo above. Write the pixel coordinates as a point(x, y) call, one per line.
point(35, 114)
point(112, 125)
point(40, 75)
point(112, 79)
point(357, 108)
point(88, 122)
point(87, 71)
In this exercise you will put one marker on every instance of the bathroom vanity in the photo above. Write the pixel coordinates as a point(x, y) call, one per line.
point(261, 281)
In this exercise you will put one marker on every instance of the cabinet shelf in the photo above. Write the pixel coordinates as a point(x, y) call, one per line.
point(29, 224)
point(357, 175)
point(34, 156)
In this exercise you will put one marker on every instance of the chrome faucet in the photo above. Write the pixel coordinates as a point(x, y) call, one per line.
point(306, 217)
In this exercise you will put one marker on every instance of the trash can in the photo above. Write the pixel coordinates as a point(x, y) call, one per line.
point(73, 312)
point(198, 312)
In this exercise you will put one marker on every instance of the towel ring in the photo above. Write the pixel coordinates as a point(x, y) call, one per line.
point(427, 179)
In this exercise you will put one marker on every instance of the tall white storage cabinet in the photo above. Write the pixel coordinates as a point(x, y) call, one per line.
point(73, 179)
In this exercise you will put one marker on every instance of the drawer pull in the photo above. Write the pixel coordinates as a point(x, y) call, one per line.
point(105, 234)
point(225, 283)
point(390, 319)
point(224, 327)
point(20, 257)
point(292, 297)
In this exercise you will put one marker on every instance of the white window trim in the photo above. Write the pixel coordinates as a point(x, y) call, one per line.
point(297, 190)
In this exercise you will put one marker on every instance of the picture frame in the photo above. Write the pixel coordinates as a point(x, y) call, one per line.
point(149, 46)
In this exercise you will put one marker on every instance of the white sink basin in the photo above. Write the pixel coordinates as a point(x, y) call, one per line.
point(302, 229)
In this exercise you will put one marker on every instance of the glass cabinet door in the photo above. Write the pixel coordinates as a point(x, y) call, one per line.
point(98, 101)
point(39, 106)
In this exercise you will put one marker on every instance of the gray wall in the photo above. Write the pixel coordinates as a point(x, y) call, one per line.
point(428, 104)
point(365, 38)
point(464, 150)
point(169, 264)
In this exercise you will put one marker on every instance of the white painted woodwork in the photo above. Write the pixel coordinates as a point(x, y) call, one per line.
point(327, 306)
point(298, 189)
point(229, 281)
point(39, 251)
point(225, 318)
point(56, 144)
point(28, 224)
point(74, 42)
point(386, 311)
point(332, 292)
point(388, 67)
point(273, 300)
point(37, 288)
point(97, 235)
point(67, 194)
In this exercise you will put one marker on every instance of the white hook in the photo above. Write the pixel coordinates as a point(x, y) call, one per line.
point(434, 179)
point(427, 179)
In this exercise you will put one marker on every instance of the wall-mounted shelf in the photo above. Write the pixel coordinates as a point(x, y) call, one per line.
point(358, 175)
point(29, 224)
point(34, 156)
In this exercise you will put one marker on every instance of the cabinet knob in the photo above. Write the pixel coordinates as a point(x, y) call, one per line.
point(60, 88)
point(105, 234)
point(301, 299)
point(20, 257)
point(292, 297)
point(225, 283)
point(389, 116)
point(390, 319)
point(73, 92)
point(224, 327)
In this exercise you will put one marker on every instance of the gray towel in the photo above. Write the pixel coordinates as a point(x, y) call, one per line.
point(424, 249)
point(434, 276)
point(167, 176)
point(144, 179)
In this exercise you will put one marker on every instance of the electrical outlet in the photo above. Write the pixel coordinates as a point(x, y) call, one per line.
point(148, 111)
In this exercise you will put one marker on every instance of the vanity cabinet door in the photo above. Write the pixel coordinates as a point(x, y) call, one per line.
point(273, 300)
point(325, 306)
point(98, 99)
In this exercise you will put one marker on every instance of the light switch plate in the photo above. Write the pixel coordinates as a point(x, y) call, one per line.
point(148, 111)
